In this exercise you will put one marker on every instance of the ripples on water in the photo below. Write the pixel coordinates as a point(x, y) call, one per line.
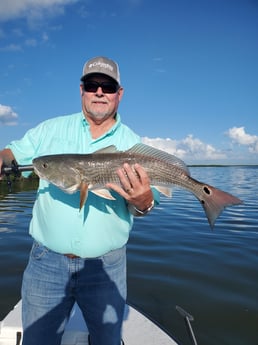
point(174, 258)
point(15, 213)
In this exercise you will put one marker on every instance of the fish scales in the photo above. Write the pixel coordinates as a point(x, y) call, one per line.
point(160, 172)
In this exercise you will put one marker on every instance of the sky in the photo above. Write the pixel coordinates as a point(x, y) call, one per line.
point(189, 69)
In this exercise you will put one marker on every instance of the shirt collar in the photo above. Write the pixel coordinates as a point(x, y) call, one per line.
point(85, 123)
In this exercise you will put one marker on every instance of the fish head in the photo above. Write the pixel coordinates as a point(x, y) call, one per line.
point(57, 170)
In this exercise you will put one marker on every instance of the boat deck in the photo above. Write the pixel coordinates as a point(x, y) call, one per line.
point(137, 329)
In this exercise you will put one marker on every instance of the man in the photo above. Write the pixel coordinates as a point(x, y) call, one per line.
point(80, 256)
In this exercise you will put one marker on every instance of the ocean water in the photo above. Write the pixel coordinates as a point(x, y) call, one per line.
point(174, 258)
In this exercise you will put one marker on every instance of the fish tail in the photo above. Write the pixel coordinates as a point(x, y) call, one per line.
point(214, 201)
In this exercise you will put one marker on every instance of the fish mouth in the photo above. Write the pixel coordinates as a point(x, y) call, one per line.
point(37, 172)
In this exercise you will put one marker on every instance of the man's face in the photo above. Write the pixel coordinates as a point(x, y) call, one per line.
point(100, 102)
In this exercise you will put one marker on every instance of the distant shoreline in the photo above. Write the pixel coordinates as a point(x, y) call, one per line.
point(221, 165)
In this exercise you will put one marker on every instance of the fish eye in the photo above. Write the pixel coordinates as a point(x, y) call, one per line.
point(45, 165)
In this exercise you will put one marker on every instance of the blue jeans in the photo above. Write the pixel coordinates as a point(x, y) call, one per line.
point(52, 283)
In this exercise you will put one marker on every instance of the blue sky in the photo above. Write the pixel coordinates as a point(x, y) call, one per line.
point(189, 69)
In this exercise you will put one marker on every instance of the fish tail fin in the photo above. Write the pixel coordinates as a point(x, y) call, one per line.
point(214, 201)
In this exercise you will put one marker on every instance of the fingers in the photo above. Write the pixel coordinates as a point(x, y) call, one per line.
point(133, 177)
point(127, 186)
point(135, 183)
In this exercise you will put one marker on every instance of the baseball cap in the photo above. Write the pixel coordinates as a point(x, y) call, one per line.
point(102, 65)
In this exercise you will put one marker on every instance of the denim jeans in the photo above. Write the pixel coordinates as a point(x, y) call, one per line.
point(53, 282)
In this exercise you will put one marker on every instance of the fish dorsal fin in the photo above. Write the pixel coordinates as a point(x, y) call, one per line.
point(108, 149)
point(159, 154)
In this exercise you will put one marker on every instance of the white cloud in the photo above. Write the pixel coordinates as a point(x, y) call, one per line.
point(11, 48)
point(167, 145)
point(239, 136)
point(44, 37)
point(31, 8)
point(7, 116)
point(189, 148)
point(194, 151)
point(18, 32)
point(199, 150)
point(31, 42)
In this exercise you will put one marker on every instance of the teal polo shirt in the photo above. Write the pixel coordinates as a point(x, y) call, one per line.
point(101, 225)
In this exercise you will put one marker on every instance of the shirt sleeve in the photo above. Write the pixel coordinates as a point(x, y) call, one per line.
point(25, 149)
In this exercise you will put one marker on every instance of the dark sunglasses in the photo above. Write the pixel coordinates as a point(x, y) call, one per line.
point(106, 86)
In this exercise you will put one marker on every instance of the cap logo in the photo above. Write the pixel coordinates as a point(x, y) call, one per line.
point(101, 65)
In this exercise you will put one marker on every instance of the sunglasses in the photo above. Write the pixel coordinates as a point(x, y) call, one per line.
point(106, 86)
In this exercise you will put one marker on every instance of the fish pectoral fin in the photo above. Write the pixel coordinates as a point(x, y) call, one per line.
point(164, 190)
point(83, 193)
point(103, 193)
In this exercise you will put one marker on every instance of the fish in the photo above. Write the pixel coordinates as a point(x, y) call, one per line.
point(91, 172)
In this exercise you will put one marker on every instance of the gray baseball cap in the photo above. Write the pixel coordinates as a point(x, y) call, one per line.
point(102, 65)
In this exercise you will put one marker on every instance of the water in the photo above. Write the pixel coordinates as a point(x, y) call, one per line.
point(174, 258)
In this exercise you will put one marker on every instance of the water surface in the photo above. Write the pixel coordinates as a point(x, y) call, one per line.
point(174, 258)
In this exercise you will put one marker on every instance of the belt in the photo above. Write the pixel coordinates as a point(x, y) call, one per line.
point(72, 256)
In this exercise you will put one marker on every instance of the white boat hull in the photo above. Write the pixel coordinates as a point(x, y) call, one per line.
point(137, 329)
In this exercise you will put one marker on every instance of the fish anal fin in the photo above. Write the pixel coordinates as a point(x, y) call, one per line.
point(103, 193)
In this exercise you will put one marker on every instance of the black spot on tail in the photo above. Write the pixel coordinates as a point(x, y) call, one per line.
point(206, 190)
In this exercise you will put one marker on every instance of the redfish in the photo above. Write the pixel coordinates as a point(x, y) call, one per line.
point(91, 172)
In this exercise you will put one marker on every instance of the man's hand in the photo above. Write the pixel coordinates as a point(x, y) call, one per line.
point(135, 186)
point(1, 164)
point(6, 157)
